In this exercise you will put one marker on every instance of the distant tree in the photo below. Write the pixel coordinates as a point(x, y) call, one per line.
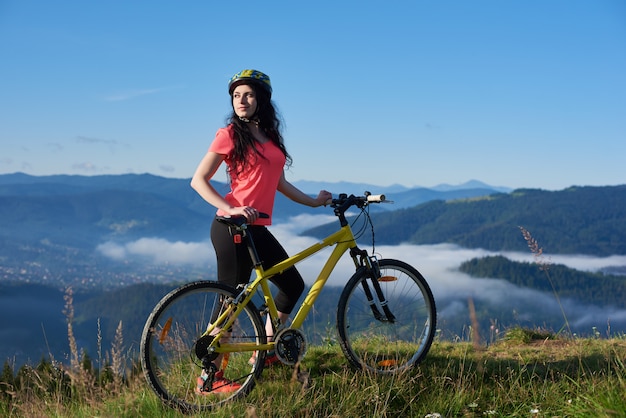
point(86, 362)
point(578, 220)
point(596, 288)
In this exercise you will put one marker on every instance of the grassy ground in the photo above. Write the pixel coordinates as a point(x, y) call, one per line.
point(525, 374)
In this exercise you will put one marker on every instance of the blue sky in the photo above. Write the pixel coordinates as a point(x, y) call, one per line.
point(511, 93)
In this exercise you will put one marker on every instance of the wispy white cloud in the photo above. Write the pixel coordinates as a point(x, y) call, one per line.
point(578, 262)
point(55, 146)
point(135, 93)
point(92, 140)
point(167, 168)
point(88, 167)
point(112, 144)
point(160, 251)
point(440, 261)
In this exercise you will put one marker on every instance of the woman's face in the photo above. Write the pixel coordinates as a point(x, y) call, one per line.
point(244, 101)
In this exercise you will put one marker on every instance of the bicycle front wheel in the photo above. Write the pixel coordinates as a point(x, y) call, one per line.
point(168, 347)
point(387, 339)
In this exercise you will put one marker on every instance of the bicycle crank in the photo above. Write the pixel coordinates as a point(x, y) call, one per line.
point(290, 346)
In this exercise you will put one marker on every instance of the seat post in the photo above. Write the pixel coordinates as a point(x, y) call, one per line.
point(254, 255)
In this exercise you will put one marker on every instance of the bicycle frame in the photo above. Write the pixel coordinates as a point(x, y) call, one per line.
point(385, 318)
point(342, 240)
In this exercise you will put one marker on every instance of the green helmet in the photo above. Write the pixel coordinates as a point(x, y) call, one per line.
point(246, 76)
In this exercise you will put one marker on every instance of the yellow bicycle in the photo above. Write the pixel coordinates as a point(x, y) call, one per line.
point(385, 320)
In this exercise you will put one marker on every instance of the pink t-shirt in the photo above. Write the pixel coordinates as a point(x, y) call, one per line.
point(256, 186)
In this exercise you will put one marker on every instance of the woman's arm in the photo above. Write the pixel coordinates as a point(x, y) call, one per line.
point(200, 182)
point(295, 194)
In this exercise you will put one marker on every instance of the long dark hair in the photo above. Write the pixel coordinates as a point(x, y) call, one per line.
point(269, 122)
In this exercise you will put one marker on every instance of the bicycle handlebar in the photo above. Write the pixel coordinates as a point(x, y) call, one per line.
point(341, 204)
point(344, 201)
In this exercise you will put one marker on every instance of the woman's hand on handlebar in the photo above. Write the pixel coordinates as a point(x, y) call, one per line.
point(324, 198)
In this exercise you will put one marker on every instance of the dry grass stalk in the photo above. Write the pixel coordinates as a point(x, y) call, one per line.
point(476, 339)
point(544, 265)
point(117, 359)
point(100, 364)
point(81, 378)
point(69, 315)
point(534, 247)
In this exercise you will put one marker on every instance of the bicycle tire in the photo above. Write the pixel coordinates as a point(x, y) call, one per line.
point(379, 345)
point(167, 349)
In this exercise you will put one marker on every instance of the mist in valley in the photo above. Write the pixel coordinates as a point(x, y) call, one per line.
point(498, 303)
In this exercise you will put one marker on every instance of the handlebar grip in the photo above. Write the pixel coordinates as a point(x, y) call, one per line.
point(376, 198)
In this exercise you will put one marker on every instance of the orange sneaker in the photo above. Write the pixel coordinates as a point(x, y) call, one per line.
point(220, 384)
point(270, 359)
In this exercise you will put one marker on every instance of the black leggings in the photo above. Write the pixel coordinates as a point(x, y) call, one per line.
point(234, 264)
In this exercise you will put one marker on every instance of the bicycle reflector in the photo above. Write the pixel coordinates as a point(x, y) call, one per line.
point(165, 330)
point(387, 363)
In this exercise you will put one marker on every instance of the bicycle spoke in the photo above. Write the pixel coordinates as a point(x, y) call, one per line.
point(172, 348)
point(381, 344)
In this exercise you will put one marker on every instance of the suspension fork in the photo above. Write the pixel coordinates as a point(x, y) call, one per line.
point(370, 263)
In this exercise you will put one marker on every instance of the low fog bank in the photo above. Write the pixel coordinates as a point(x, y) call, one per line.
point(503, 302)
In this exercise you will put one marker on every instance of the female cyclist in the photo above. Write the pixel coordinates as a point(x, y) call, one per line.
point(252, 147)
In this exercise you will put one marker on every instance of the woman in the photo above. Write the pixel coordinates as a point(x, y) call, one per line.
point(252, 147)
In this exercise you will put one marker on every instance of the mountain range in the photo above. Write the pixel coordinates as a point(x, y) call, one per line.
point(80, 210)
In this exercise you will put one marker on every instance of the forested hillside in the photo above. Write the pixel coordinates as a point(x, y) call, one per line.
point(577, 220)
point(594, 288)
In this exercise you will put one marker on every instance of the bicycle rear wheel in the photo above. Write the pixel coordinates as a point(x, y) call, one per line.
point(168, 346)
point(385, 344)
